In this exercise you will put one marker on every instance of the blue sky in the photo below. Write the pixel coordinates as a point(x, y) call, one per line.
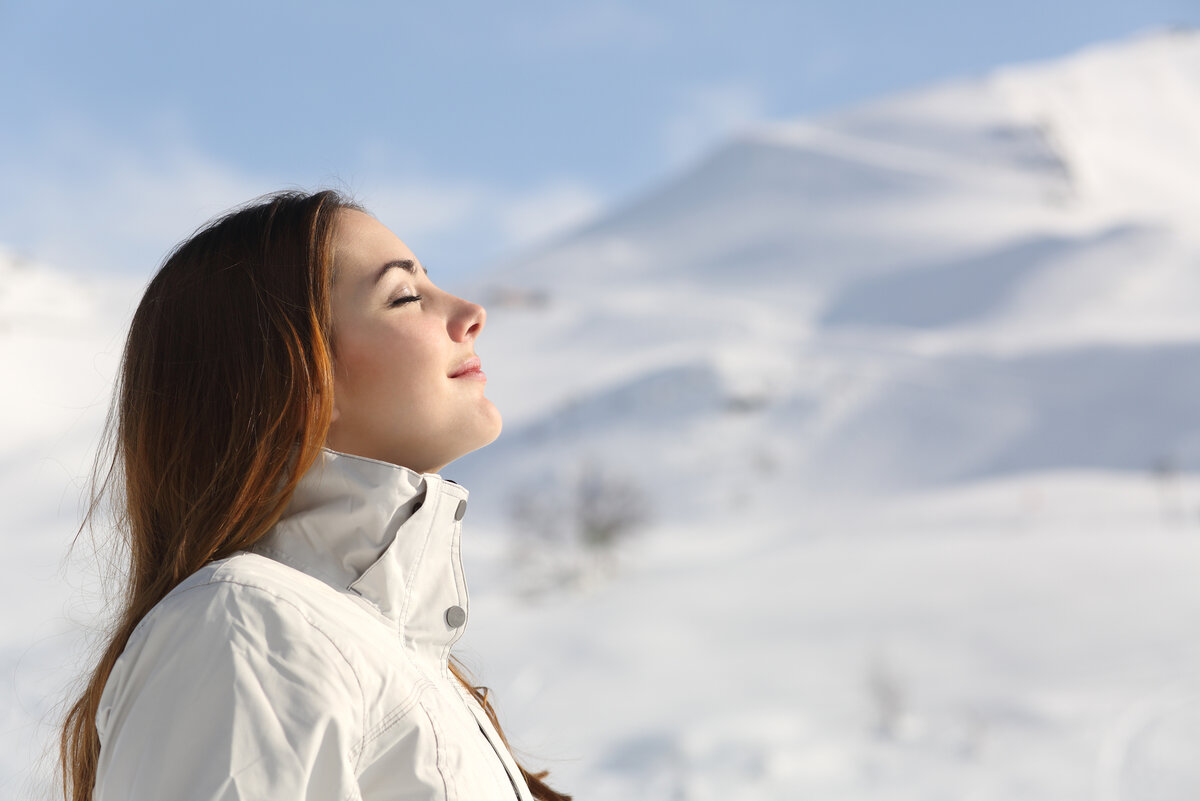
point(472, 129)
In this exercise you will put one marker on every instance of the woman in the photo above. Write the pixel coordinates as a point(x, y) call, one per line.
point(292, 384)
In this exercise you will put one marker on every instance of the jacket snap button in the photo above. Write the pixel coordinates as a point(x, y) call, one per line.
point(455, 616)
point(459, 512)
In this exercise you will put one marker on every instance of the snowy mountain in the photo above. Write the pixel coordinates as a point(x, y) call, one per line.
point(990, 276)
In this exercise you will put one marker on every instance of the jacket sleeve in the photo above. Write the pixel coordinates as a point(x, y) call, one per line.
point(228, 692)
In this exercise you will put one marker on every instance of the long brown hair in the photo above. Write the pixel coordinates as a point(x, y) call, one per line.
point(227, 366)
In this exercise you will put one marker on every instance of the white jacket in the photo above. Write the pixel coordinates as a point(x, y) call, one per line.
point(315, 667)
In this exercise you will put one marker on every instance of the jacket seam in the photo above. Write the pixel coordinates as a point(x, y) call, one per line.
point(300, 565)
point(503, 753)
point(439, 756)
point(362, 695)
point(397, 715)
point(460, 592)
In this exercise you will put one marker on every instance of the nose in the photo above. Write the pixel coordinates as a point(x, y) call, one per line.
point(468, 321)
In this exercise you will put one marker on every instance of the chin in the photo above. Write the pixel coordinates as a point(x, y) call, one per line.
point(490, 430)
point(485, 438)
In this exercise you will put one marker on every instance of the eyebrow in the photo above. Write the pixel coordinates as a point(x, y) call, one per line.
point(407, 265)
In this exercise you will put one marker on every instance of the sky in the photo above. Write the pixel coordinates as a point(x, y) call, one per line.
point(474, 130)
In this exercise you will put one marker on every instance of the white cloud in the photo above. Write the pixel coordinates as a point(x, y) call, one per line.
point(548, 210)
point(708, 114)
point(114, 208)
point(456, 226)
point(424, 207)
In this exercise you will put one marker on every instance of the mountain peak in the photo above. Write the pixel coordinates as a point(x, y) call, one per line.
point(920, 262)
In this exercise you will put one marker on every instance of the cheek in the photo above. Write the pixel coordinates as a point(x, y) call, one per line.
point(360, 374)
point(393, 372)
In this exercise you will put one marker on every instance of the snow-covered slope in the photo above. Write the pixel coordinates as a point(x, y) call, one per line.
point(848, 280)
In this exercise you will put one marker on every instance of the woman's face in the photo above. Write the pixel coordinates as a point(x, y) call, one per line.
point(396, 397)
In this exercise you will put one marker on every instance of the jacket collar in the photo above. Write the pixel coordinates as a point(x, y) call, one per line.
point(385, 533)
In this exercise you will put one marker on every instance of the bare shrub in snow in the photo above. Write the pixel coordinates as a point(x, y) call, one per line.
point(1167, 474)
point(888, 702)
point(607, 508)
point(566, 535)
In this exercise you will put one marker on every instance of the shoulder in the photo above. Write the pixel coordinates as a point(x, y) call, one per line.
point(249, 600)
point(239, 654)
point(239, 625)
point(245, 619)
point(226, 596)
point(251, 574)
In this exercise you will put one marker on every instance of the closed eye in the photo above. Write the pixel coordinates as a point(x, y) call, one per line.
point(400, 301)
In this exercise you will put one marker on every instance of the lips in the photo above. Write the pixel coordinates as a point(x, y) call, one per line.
point(470, 366)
